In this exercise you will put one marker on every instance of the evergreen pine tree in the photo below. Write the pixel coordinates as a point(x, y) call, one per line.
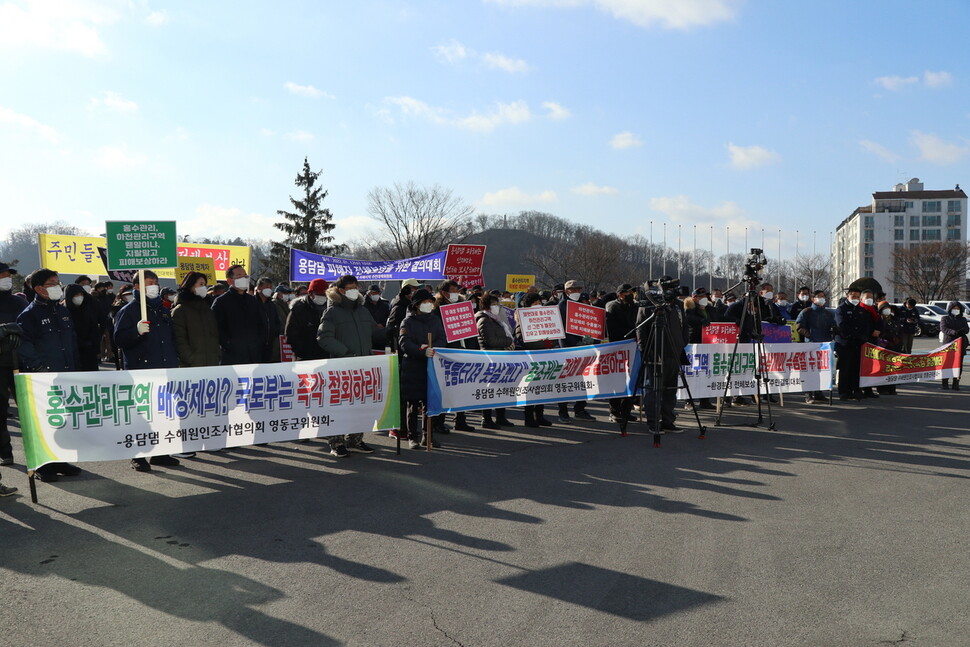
point(308, 228)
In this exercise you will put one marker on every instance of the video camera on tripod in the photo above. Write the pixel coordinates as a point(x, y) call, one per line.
point(754, 263)
point(662, 292)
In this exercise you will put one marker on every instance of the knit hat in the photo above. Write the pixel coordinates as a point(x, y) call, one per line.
point(421, 295)
point(318, 286)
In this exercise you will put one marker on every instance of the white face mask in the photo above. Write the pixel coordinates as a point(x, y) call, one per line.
point(426, 307)
point(202, 291)
point(574, 296)
point(88, 288)
point(702, 302)
point(854, 302)
point(352, 294)
point(783, 303)
point(820, 301)
point(453, 297)
point(78, 300)
point(768, 294)
point(6, 284)
point(375, 298)
point(955, 312)
point(495, 310)
point(151, 291)
point(887, 311)
point(319, 300)
point(267, 292)
point(55, 293)
point(868, 302)
point(803, 297)
point(288, 297)
point(241, 283)
point(128, 297)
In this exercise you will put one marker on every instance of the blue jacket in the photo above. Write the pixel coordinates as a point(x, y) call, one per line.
point(49, 343)
point(156, 349)
point(818, 321)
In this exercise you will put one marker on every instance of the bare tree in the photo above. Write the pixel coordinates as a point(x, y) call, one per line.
point(417, 220)
point(813, 271)
point(931, 271)
point(596, 259)
point(20, 247)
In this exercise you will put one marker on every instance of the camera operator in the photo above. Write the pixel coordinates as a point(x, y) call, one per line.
point(662, 361)
point(749, 314)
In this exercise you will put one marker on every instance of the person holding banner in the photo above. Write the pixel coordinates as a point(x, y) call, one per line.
point(450, 292)
point(11, 306)
point(854, 329)
point(534, 413)
point(194, 324)
point(243, 331)
point(48, 345)
point(954, 327)
point(699, 314)
point(347, 330)
point(816, 324)
point(304, 321)
point(493, 334)
point(264, 295)
point(572, 290)
point(420, 324)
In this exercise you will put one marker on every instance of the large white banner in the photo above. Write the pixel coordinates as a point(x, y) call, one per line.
point(790, 368)
point(465, 380)
point(111, 415)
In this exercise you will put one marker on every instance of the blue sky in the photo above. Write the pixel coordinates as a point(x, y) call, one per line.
point(614, 113)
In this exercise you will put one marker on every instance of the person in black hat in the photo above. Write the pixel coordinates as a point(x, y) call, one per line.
point(10, 335)
point(379, 307)
point(621, 319)
point(422, 321)
point(557, 294)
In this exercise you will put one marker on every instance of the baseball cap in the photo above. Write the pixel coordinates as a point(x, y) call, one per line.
point(572, 284)
point(318, 286)
point(412, 282)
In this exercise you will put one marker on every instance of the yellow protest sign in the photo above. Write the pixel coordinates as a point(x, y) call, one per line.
point(203, 264)
point(519, 282)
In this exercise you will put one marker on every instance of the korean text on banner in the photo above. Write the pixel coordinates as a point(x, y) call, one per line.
point(790, 368)
point(465, 380)
point(113, 415)
point(542, 323)
point(146, 244)
point(519, 282)
point(459, 320)
point(306, 266)
point(585, 320)
point(71, 254)
point(881, 366)
point(719, 333)
point(286, 351)
point(463, 263)
point(202, 264)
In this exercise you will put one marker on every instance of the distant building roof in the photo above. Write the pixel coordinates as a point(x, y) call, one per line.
point(918, 195)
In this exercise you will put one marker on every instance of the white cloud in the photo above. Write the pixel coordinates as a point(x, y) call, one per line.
point(745, 157)
point(352, 226)
point(879, 151)
point(8, 116)
point(670, 14)
point(590, 189)
point(306, 90)
point(113, 101)
point(215, 221)
point(625, 140)
point(68, 25)
point(934, 149)
point(157, 18)
point(556, 111)
point(680, 209)
point(498, 61)
point(452, 52)
point(504, 113)
point(300, 136)
point(117, 157)
point(937, 79)
point(515, 196)
point(895, 83)
point(180, 134)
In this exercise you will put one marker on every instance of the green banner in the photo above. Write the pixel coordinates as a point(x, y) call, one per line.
point(141, 245)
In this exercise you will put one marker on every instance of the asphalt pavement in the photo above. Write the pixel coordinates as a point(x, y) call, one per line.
point(845, 525)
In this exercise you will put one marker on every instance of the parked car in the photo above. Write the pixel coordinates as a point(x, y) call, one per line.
point(943, 304)
point(929, 320)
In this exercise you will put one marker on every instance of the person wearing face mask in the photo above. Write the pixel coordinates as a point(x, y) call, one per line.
point(215, 291)
point(855, 327)
point(304, 321)
point(48, 344)
point(282, 298)
point(347, 330)
point(953, 326)
point(243, 327)
point(274, 328)
point(494, 333)
point(699, 314)
point(869, 305)
point(803, 301)
point(889, 326)
point(816, 324)
point(908, 326)
point(194, 324)
point(781, 302)
point(719, 303)
point(89, 324)
point(11, 306)
point(421, 322)
point(572, 291)
point(379, 307)
point(745, 313)
point(400, 307)
point(621, 319)
point(534, 413)
point(450, 292)
point(86, 283)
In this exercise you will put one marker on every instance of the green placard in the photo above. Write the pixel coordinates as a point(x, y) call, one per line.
point(145, 244)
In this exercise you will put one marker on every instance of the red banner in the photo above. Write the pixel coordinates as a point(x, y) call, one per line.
point(585, 321)
point(463, 263)
point(881, 366)
point(719, 333)
point(459, 320)
point(286, 351)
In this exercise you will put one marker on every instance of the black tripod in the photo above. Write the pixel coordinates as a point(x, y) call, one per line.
point(653, 352)
point(753, 309)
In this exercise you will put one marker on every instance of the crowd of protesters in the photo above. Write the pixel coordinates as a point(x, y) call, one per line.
point(50, 328)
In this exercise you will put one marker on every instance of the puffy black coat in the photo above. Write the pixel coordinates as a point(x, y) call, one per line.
point(414, 364)
point(196, 331)
point(89, 325)
point(955, 327)
point(301, 328)
point(855, 324)
point(698, 318)
point(346, 328)
point(380, 310)
point(621, 318)
point(491, 333)
point(49, 343)
point(400, 308)
point(154, 350)
point(243, 332)
point(10, 308)
point(909, 320)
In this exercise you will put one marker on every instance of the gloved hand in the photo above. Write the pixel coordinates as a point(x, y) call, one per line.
point(10, 335)
point(588, 341)
point(142, 327)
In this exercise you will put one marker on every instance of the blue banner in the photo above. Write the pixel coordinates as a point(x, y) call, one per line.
point(306, 266)
point(465, 380)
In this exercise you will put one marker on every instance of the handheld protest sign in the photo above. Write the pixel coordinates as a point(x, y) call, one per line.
point(585, 320)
